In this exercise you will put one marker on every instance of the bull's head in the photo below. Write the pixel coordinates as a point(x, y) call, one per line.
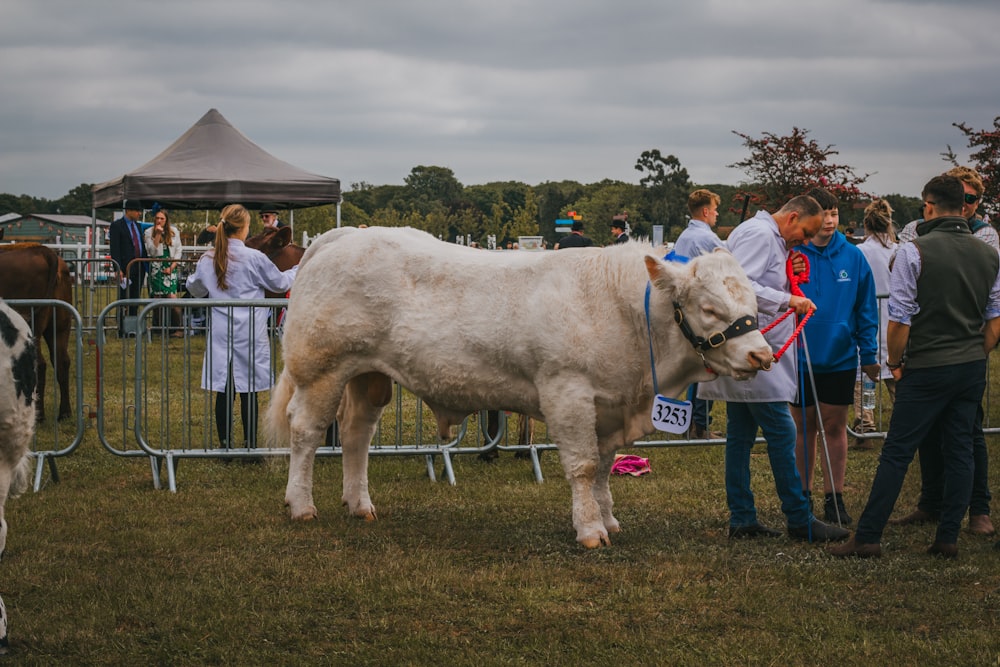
point(715, 308)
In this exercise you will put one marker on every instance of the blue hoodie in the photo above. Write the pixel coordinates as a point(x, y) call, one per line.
point(845, 324)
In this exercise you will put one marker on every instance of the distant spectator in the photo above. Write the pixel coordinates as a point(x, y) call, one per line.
point(575, 239)
point(699, 238)
point(269, 217)
point(162, 241)
point(618, 230)
point(878, 248)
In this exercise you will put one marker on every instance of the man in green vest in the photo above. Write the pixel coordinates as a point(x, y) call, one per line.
point(944, 319)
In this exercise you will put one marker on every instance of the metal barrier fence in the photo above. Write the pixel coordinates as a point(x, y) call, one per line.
point(54, 438)
point(151, 403)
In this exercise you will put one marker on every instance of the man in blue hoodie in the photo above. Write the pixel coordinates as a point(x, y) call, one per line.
point(843, 329)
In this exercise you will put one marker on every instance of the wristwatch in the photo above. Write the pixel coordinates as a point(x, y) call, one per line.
point(891, 366)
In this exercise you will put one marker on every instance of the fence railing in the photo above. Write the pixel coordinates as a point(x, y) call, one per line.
point(147, 398)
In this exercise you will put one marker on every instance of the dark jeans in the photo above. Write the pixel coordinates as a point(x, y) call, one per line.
point(946, 397)
point(701, 410)
point(932, 471)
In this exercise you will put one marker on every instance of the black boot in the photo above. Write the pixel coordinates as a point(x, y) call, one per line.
point(833, 508)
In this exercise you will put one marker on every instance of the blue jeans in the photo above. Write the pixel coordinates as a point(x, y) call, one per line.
point(944, 397)
point(775, 421)
point(701, 409)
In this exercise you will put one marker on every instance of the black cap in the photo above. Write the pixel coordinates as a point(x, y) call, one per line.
point(269, 209)
point(620, 224)
point(132, 205)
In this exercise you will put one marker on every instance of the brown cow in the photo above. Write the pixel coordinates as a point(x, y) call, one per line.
point(277, 245)
point(33, 271)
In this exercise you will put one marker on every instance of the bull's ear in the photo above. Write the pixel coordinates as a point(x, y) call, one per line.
point(664, 275)
point(284, 236)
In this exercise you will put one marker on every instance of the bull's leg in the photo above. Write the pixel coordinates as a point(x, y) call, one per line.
point(602, 491)
point(364, 400)
point(571, 417)
point(309, 412)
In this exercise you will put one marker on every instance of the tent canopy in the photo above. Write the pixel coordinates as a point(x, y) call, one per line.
point(214, 164)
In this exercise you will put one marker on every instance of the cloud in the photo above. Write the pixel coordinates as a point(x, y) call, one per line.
point(501, 91)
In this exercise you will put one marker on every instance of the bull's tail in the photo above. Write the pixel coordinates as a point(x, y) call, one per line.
point(276, 429)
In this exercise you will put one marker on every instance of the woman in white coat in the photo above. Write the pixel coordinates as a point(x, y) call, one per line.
point(878, 248)
point(238, 357)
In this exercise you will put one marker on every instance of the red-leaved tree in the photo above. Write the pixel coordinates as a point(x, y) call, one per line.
point(782, 167)
point(986, 160)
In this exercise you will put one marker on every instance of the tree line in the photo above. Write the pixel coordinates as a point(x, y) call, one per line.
point(431, 198)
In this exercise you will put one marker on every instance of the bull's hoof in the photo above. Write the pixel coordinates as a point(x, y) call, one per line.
point(366, 513)
point(307, 514)
point(361, 511)
point(596, 541)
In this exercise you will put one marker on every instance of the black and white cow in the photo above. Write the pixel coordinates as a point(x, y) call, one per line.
point(17, 407)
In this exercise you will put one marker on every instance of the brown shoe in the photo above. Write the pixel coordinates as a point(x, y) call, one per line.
point(702, 433)
point(980, 524)
point(943, 549)
point(863, 444)
point(914, 518)
point(854, 549)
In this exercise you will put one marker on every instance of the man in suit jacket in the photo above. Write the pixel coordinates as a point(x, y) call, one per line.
point(125, 238)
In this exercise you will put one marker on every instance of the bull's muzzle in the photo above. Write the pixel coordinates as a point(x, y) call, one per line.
point(761, 360)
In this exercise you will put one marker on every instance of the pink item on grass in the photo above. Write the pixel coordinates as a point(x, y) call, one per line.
point(630, 464)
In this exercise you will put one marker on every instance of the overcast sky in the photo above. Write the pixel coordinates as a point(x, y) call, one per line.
point(495, 90)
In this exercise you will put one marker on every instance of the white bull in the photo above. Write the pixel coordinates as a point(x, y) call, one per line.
point(560, 336)
point(17, 407)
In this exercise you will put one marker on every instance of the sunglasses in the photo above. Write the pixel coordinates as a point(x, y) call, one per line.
point(971, 198)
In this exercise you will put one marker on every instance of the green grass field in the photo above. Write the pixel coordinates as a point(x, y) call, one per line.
point(101, 569)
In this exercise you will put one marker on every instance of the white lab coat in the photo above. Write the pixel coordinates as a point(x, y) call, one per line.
point(878, 257)
point(761, 252)
point(242, 343)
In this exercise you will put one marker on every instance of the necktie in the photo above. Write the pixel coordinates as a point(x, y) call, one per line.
point(135, 240)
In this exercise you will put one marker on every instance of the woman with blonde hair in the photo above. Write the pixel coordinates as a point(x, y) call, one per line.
point(163, 242)
point(238, 357)
point(878, 248)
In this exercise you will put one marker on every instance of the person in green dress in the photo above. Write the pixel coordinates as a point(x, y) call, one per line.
point(163, 241)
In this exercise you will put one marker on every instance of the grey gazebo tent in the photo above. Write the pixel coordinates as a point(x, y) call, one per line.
point(214, 164)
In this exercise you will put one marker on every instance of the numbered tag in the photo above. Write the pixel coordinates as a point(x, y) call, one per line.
point(671, 415)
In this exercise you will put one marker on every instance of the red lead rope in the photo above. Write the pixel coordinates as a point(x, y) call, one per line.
point(794, 280)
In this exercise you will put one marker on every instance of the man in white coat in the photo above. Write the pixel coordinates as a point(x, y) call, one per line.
point(762, 245)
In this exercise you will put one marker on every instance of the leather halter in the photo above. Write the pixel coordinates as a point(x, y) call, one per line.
point(742, 325)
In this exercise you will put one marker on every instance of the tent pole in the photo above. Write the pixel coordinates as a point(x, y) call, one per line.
point(338, 215)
